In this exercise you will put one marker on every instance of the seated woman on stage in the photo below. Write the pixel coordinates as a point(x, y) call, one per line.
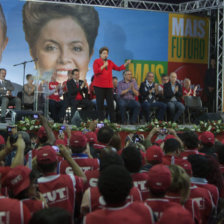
point(28, 91)
point(187, 90)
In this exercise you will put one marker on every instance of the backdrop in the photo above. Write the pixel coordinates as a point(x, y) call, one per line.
point(157, 42)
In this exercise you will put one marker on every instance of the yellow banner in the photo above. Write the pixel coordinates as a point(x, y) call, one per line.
point(188, 39)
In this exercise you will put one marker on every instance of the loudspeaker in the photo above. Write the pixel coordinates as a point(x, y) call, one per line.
point(21, 114)
point(210, 117)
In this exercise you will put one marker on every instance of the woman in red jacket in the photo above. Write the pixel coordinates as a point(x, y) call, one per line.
point(103, 84)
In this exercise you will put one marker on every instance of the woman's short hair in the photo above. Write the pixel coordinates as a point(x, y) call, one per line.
point(36, 15)
point(103, 49)
point(3, 23)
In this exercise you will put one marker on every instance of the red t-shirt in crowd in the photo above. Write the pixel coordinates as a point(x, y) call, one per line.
point(97, 201)
point(171, 160)
point(55, 96)
point(92, 178)
point(13, 211)
point(140, 181)
point(190, 205)
point(203, 183)
point(103, 78)
point(33, 205)
point(131, 213)
point(82, 160)
point(158, 205)
point(204, 201)
point(59, 190)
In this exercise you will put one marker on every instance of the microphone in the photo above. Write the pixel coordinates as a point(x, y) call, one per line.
point(105, 61)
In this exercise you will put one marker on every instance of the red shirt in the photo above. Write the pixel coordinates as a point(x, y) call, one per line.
point(83, 161)
point(103, 78)
point(92, 94)
point(64, 84)
point(55, 96)
point(92, 178)
point(140, 181)
point(158, 205)
point(185, 92)
point(187, 153)
point(200, 182)
point(33, 205)
point(190, 205)
point(59, 190)
point(97, 201)
point(169, 160)
point(13, 211)
point(130, 213)
point(204, 201)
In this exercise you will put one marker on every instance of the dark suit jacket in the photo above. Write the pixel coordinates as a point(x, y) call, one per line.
point(73, 90)
point(5, 86)
point(168, 93)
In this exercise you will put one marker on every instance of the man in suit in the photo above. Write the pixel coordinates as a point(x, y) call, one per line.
point(172, 94)
point(6, 97)
point(78, 93)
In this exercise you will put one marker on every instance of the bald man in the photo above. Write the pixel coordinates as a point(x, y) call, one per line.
point(172, 94)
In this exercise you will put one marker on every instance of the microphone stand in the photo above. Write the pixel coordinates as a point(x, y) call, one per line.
point(24, 72)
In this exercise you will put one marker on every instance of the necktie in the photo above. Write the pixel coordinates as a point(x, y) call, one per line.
point(77, 84)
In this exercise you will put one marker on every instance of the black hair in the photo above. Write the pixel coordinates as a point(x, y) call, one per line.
point(109, 157)
point(75, 70)
point(190, 139)
point(115, 184)
point(114, 77)
point(53, 215)
point(207, 167)
point(77, 149)
point(171, 145)
point(2, 69)
point(132, 158)
point(103, 49)
point(28, 76)
point(47, 168)
point(105, 134)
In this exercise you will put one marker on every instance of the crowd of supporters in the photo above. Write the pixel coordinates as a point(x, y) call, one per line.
point(90, 177)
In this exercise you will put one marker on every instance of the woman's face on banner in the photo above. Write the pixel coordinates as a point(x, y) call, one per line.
point(62, 46)
point(3, 41)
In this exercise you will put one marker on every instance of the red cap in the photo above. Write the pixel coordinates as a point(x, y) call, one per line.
point(2, 140)
point(41, 132)
point(169, 137)
point(154, 153)
point(207, 137)
point(18, 179)
point(78, 141)
point(174, 213)
point(91, 137)
point(46, 155)
point(159, 178)
point(185, 165)
point(60, 142)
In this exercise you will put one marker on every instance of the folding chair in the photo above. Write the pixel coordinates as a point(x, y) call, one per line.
point(193, 104)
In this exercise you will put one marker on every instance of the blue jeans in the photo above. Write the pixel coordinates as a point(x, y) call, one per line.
point(132, 105)
point(176, 109)
point(161, 109)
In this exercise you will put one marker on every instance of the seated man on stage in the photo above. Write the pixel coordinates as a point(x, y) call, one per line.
point(148, 92)
point(78, 93)
point(56, 106)
point(127, 90)
point(172, 94)
point(6, 97)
